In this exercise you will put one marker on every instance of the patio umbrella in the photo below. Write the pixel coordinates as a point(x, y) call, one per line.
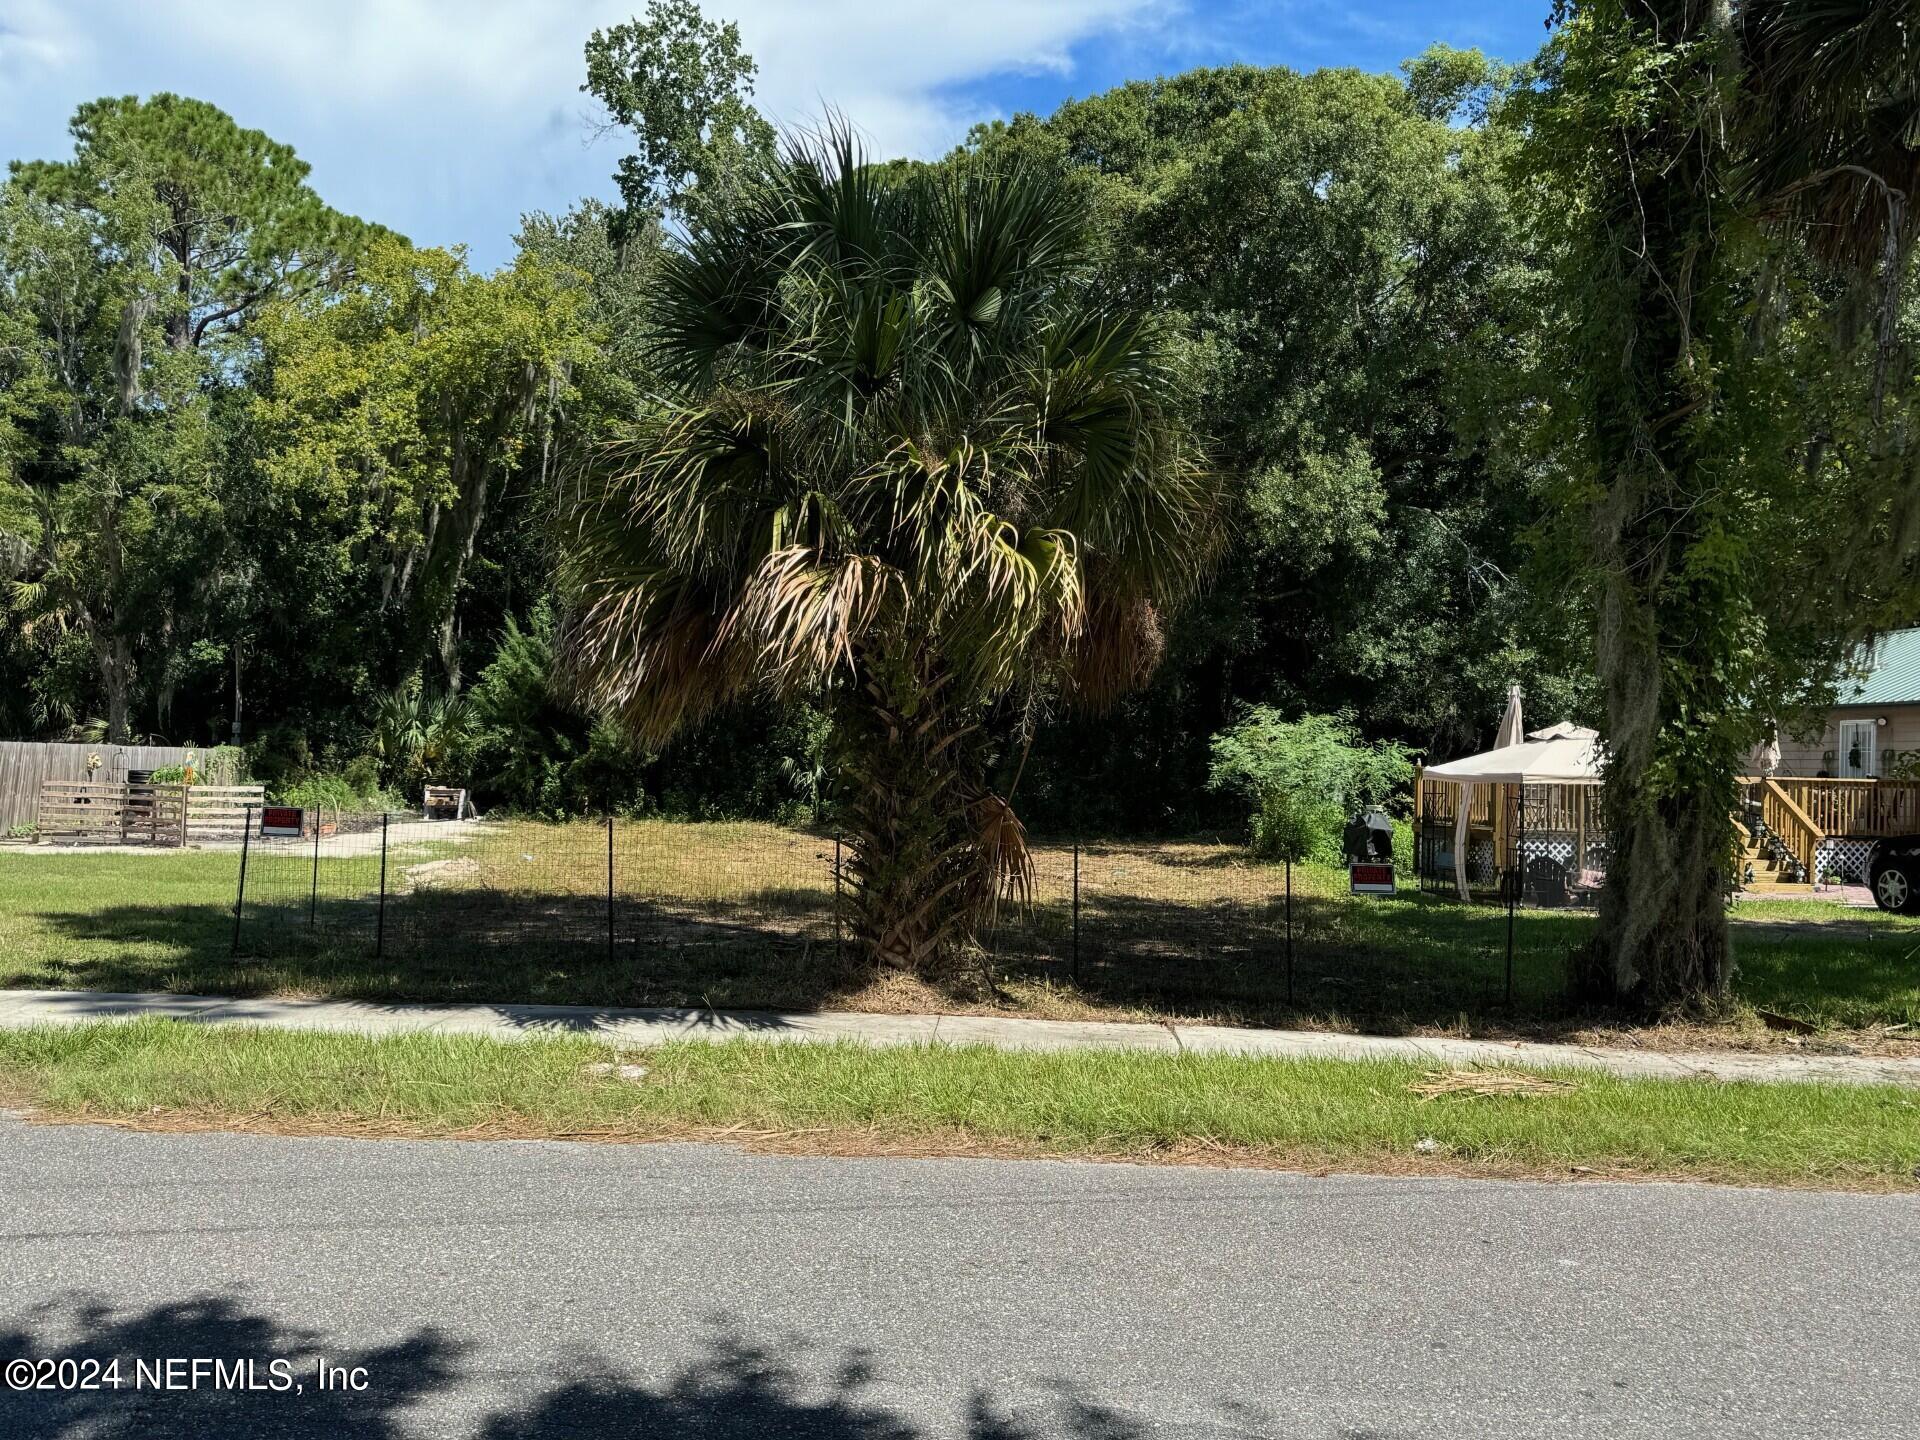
point(1511, 732)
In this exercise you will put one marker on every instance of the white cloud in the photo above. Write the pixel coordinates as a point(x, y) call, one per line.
point(447, 118)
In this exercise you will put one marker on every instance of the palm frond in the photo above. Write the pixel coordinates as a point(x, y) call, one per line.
point(1118, 648)
point(907, 435)
point(1834, 95)
point(714, 297)
point(798, 620)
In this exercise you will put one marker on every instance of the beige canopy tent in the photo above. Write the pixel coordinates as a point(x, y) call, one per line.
point(1560, 755)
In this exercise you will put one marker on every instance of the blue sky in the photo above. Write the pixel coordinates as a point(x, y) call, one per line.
point(447, 119)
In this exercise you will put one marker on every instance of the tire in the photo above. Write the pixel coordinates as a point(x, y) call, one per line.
point(1894, 890)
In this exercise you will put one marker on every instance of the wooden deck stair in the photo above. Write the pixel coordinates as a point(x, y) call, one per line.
point(1770, 877)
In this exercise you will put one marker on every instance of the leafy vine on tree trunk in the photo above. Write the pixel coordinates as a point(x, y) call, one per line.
point(1697, 382)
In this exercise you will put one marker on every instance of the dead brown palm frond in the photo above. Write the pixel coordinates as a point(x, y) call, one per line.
point(1118, 647)
point(1005, 860)
point(648, 657)
point(1488, 1082)
point(797, 620)
point(1833, 99)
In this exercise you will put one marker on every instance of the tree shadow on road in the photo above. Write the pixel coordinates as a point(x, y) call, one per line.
point(216, 1328)
point(736, 1389)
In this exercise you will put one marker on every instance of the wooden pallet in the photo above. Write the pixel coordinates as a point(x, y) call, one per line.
point(99, 813)
point(219, 812)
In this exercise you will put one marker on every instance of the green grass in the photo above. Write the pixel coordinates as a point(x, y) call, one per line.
point(1360, 1116)
point(735, 916)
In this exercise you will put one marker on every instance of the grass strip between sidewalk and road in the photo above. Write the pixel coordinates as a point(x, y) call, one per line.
point(851, 1099)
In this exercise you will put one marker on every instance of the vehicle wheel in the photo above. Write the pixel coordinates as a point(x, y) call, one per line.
point(1893, 889)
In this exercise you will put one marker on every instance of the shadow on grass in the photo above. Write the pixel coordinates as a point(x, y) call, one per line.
point(767, 950)
point(1853, 975)
point(1397, 964)
point(1387, 965)
point(736, 1389)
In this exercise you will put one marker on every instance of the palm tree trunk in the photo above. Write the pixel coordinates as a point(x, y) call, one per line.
point(915, 877)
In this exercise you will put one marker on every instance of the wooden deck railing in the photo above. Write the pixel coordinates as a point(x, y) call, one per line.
point(1856, 807)
point(1796, 830)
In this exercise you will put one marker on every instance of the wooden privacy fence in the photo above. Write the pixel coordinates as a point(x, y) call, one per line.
point(26, 765)
point(97, 813)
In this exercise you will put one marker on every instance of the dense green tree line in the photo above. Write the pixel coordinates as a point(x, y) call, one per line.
point(279, 464)
point(1357, 294)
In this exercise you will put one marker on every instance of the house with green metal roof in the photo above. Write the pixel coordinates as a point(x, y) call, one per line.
point(1873, 730)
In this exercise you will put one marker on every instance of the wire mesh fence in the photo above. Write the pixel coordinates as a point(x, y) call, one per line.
point(655, 912)
point(402, 886)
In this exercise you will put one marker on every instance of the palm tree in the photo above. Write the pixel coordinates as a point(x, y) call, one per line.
point(420, 734)
point(914, 458)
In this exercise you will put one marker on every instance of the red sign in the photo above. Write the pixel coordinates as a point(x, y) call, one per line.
point(282, 821)
point(1370, 879)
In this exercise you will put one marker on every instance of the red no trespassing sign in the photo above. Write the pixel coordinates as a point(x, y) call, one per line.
point(1370, 879)
point(282, 821)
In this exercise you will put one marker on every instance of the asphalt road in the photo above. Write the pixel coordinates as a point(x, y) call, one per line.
point(541, 1289)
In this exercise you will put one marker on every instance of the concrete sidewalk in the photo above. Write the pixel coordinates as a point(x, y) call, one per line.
point(22, 1008)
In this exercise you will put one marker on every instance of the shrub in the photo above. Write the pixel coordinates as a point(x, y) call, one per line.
point(221, 765)
point(216, 765)
point(362, 774)
point(279, 758)
point(356, 789)
point(1302, 778)
point(421, 734)
point(532, 753)
point(1286, 827)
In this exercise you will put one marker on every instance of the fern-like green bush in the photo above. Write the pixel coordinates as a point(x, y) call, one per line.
point(1302, 778)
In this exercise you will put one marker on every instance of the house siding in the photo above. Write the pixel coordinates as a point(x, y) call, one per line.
point(1816, 756)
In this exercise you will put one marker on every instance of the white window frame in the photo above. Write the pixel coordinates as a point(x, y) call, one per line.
point(1868, 750)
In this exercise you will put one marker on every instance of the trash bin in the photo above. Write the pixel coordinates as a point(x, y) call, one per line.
point(1369, 837)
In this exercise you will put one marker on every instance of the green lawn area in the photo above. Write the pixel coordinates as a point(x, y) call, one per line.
point(740, 916)
point(854, 1099)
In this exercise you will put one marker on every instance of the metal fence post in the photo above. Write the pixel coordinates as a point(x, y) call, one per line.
point(1289, 930)
point(380, 919)
point(1519, 876)
point(839, 954)
point(240, 899)
point(313, 898)
point(609, 887)
point(1512, 891)
point(1076, 909)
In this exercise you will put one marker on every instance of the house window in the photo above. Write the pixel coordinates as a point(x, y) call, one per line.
point(1857, 761)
